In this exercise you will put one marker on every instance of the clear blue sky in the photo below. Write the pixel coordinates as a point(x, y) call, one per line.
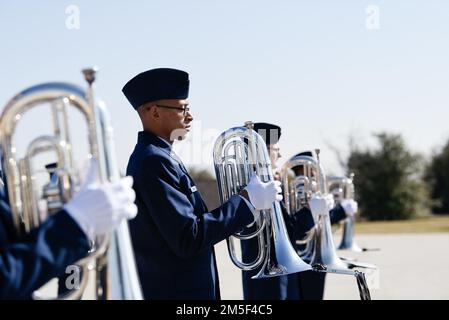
point(312, 67)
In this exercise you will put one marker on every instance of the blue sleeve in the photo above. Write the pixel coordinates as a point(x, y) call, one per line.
point(39, 256)
point(299, 223)
point(337, 214)
point(303, 222)
point(184, 231)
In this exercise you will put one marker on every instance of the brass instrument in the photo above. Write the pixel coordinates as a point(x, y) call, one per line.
point(238, 152)
point(299, 181)
point(302, 177)
point(112, 255)
point(343, 188)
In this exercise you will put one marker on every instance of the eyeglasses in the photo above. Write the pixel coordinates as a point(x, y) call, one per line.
point(184, 110)
point(277, 150)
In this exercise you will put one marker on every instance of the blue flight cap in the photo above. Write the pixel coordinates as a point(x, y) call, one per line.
point(157, 84)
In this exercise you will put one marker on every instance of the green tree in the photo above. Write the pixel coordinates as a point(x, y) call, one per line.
point(437, 174)
point(388, 180)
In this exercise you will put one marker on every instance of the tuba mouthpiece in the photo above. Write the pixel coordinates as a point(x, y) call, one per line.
point(249, 124)
point(89, 74)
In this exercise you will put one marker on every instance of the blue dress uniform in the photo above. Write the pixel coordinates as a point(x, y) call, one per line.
point(28, 262)
point(310, 284)
point(173, 233)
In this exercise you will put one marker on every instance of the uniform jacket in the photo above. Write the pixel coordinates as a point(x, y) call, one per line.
point(30, 261)
point(173, 233)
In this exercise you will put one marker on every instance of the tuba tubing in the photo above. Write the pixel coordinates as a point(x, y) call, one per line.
point(238, 152)
point(114, 250)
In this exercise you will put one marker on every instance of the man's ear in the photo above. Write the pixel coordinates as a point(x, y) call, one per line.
point(154, 112)
point(149, 111)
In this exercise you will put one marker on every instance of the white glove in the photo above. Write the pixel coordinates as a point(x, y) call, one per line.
point(330, 201)
point(263, 194)
point(100, 208)
point(320, 205)
point(350, 206)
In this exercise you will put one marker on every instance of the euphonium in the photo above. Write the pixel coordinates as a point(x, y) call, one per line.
point(299, 181)
point(302, 177)
point(112, 255)
point(238, 152)
point(343, 188)
point(320, 250)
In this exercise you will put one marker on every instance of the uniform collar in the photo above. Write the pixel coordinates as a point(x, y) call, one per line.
point(150, 138)
point(147, 137)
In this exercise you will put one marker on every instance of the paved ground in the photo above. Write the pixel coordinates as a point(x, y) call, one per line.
point(412, 266)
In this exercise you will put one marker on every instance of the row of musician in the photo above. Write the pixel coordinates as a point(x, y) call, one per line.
point(152, 236)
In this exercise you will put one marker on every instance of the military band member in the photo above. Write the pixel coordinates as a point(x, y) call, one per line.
point(28, 262)
point(174, 233)
point(281, 287)
point(311, 284)
point(308, 285)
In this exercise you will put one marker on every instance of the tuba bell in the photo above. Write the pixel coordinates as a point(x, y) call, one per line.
point(111, 256)
point(239, 152)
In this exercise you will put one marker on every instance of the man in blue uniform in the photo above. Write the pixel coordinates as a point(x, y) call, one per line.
point(28, 262)
point(311, 284)
point(174, 233)
point(308, 285)
point(280, 287)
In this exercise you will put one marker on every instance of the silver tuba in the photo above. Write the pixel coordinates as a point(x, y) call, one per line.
point(302, 177)
point(299, 181)
point(297, 193)
point(239, 152)
point(343, 188)
point(111, 256)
